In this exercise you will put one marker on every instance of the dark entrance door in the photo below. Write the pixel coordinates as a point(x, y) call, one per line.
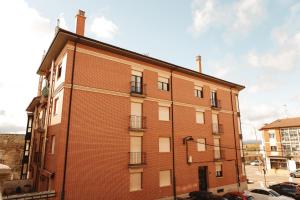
point(202, 173)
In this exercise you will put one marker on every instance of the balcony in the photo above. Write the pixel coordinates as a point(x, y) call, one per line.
point(215, 104)
point(137, 159)
point(217, 129)
point(137, 89)
point(137, 123)
point(37, 157)
point(45, 91)
point(40, 125)
point(219, 155)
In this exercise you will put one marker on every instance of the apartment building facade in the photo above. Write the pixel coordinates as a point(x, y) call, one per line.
point(109, 123)
point(281, 140)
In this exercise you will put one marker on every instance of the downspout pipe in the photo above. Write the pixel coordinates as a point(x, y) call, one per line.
point(68, 127)
point(235, 146)
point(173, 140)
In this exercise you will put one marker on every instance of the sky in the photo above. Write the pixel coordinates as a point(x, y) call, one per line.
point(255, 43)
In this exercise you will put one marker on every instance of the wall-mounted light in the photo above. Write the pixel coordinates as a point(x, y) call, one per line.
point(187, 138)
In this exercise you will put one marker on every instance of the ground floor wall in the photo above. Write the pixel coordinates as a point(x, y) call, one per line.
point(281, 163)
point(98, 159)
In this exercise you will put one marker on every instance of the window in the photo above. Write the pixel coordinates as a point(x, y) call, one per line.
point(199, 117)
point(58, 71)
point(201, 144)
point(135, 150)
point(163, 83)
point(219, 172)
point(271, 135)
point(164, 178)
point(213, 96)
point(136, 82)
point(55, 106)
point(273, 148)
point(164, 145)
point(215, 123)
point(52, 144)
point(135, 181)
point(136, 119)
point(217, 148)
point(164, 113)
point(237, 103)
point(198, 92)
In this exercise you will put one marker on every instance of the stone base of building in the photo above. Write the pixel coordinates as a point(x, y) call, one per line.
point(217, 190)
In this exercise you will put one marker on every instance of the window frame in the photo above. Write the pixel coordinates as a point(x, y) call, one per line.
point(160, 149)
point(219, 174)
point(198, 92)
point(159, 113)
point(203, 117)
point(141, 181)
point(52, 150)
point(59, 71)
point(200, 143)
point(272, 149)
point(170, 178)
point(55, 102)
point(163, 85)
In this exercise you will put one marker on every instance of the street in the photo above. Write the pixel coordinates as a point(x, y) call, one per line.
point(255, 174)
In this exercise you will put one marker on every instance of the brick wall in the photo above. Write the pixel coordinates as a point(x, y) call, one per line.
point(11, 152)
point(99, 141)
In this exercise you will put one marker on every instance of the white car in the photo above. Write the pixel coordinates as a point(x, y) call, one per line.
point(255, 163)
point(266, 194)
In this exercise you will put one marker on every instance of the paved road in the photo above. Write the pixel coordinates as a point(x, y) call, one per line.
point(255, 174)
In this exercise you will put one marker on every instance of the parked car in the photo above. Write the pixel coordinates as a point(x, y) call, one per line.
point(255, 163)
point(295, 173)
point(287, 189)
point(237, 196)
point(267, 194)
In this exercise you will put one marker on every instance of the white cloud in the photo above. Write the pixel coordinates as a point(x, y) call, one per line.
point(263, 84)
point(62, 22)
point(104, 28)
point(2, 112)
point(286, 54)
point(246, 14)
point(238, 17)
point(23, 37)
point(204, 14)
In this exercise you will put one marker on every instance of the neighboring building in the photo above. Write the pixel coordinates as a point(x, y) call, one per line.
point(252, 152)
point(130, 126)
point(281, 140)
point(11, 150)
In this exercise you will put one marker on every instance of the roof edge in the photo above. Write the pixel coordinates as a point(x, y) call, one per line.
point(135, 54)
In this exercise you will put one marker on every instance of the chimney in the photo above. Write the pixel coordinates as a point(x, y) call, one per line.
point(198, 64)
point(80, 22)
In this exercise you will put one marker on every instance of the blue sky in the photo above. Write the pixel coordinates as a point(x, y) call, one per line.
point(252, 42)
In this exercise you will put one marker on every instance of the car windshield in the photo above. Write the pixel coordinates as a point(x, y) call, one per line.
point(275, 194)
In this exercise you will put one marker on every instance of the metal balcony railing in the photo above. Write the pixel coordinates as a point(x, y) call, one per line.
point(45, 91)
point(37, 157)
point(137, 122)
point(40, 125)
point(219, 155)
point(137, 158)
point(137, 88)
point(215, 104)
point(217, 129)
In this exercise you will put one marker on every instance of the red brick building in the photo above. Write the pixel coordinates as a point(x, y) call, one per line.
point(109, 123)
